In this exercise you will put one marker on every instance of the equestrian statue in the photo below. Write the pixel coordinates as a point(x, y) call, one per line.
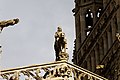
point(60, 45)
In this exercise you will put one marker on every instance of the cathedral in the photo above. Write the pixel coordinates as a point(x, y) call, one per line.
point(97, 43)
point(96, 54)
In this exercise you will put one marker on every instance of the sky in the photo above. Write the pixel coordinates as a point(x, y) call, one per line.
point(31, 40)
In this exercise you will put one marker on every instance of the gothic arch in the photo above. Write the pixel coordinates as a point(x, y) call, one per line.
point(98, 12)
point(88, 20)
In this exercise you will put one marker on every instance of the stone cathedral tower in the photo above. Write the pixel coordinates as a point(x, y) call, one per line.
point(97, 47)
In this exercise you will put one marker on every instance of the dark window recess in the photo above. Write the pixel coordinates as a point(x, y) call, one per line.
point(99, 12)
point(89, 21)
point(84, 1)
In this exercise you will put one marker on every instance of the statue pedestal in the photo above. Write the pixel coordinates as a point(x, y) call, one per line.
point(63, 56)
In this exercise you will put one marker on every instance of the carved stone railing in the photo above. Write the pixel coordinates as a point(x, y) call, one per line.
point(60, 70)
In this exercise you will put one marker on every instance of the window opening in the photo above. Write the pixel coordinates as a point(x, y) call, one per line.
point(89, 21)
point(99, 12)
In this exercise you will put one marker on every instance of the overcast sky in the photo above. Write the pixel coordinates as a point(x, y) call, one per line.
point(31, 40)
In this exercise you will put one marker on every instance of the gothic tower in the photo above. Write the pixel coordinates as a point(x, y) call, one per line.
point(96, 46)
point(86, 14)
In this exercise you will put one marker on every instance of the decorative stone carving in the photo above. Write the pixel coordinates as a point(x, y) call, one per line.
point(8, 23)
point(60, 45)
point(61, 70)
point(63, 56)
point(118, 36)
point(15, 76)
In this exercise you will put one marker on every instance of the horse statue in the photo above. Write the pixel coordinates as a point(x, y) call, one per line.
point(60, 43)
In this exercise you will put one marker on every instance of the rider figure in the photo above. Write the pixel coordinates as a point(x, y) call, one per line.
point(60, 42)
point(59, 34)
